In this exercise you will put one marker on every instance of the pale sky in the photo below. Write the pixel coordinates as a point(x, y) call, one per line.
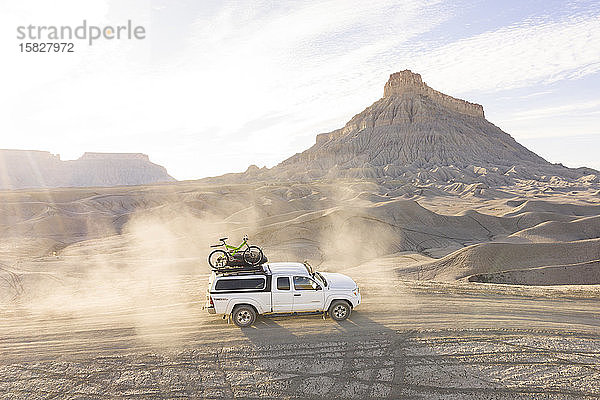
point(217, 86)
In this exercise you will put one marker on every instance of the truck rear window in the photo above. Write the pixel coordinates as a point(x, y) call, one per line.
point(240, 284)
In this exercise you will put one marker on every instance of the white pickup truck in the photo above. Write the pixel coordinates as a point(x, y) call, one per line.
point(280, 288)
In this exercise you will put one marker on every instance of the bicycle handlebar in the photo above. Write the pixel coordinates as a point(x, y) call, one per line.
point(223, 243)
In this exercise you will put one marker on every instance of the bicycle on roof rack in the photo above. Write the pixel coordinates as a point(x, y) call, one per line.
point(251, 255)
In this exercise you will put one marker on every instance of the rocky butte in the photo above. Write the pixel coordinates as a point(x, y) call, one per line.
point(417, 135)
point(39, 169)
point(408, 83)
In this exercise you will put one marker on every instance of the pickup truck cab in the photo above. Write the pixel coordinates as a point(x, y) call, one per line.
point(280, 288)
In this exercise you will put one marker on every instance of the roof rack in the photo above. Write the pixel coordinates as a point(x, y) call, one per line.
point(243, 270)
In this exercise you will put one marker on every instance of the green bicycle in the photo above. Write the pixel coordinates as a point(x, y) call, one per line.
point(252, 255)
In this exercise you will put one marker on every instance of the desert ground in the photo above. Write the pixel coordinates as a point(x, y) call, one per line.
point(467, 293)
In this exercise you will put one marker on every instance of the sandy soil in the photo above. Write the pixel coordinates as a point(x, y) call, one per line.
point(408, 339)
point(101, 294)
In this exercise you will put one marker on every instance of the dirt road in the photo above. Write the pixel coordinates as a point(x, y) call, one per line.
point(407, 340)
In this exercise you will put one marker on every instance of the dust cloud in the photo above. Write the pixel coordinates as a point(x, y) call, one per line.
point(153, 272)
point(148, 277)
point(148, 269)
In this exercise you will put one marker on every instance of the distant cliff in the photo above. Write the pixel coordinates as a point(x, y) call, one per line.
point(40, 169)
point(417, 135)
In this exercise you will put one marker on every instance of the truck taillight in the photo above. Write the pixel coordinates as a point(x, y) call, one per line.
point(211, 301)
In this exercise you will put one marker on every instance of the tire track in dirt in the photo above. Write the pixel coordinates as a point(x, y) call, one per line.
point(430, 364)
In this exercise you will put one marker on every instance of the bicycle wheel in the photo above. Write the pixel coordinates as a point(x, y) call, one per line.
point(218, 259)
point(253, 255)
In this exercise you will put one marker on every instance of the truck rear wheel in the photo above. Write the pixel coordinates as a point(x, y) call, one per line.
point(244, 316)
point(339, 310)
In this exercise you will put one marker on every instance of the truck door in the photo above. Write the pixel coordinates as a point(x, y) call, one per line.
point(308, 294)
point(283, 297)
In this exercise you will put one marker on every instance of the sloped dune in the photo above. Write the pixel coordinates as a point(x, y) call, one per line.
point(487, 258)
point(557, 208)
point(587, 273)
point(561, 231)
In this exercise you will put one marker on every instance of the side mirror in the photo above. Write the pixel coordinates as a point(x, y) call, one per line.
point(319, 287)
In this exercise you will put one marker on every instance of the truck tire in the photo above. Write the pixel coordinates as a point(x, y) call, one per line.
point(339, 310)
point(244, 316)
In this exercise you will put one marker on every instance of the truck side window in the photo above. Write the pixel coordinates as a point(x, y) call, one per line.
point(240, 284)
point(283, 283)
point(304, 283)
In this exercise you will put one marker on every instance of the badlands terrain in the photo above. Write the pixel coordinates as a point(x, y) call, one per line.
point(478, 263)
point(102, 291)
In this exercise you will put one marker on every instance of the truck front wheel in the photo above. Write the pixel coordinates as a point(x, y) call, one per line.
point(339, 310)
point(244, 316)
